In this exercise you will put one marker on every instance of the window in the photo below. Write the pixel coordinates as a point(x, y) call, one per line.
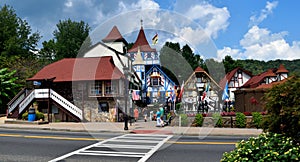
point(114, 85)
point(108, 90)
point(155, 81)
point(96, 88)
point(143, 77)
point(103, 107)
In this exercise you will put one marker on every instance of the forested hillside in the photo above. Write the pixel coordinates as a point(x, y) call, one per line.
point(256, 66)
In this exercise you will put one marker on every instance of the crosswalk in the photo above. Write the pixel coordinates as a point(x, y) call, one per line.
point(137, 147)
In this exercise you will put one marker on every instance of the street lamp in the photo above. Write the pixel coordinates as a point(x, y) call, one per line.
point(126, 71)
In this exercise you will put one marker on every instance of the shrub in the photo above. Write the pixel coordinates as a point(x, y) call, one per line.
point(266, 147)
point(39, 115)
point(184, 119)
point(257, 119)
point(217, 119)
point(199, 120)
point(283, 107)
point(240, 120)
point(25, 116)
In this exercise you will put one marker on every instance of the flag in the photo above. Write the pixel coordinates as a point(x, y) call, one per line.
point(225, 94)
point(181, 91)
point(135, 95)
point(155, 39)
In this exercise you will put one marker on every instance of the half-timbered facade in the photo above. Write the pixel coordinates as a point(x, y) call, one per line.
point(201, 92)
point(236, 79)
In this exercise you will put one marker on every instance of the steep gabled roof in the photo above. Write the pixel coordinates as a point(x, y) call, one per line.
point(230, 74)
point(80, 69)
point(282, 69)
point(200, 70)
point(142, 42)
point(114, 36)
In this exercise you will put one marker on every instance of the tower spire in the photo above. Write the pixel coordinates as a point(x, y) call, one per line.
point(141, 23)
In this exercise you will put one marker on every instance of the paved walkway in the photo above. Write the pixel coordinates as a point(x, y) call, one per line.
point(137, 127)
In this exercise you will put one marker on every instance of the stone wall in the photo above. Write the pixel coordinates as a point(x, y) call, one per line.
point(92, 114)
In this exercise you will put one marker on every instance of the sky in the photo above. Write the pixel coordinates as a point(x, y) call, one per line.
point(247, 29)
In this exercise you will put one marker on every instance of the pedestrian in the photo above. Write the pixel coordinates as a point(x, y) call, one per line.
point(159, 122)
point(145, 111)
point(136, 114)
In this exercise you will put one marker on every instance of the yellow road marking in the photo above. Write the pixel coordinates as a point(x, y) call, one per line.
point(100, 139)
point(10, 135)
point(202, 143)
point(52, 137)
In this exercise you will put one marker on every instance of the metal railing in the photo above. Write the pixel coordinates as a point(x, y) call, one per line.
point(26, 101)
point(44, 93)
point(66, 104)
point(16, 100)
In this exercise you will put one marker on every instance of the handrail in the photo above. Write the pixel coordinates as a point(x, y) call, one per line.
point(66, 104)
point(44, 93)
point(16, 100)
point(26, 101)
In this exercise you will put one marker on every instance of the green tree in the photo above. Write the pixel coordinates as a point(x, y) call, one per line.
point(283, 106)
point(215, 69)
point(172, 59)
point(16, 37)
point(68, 39)
point(8, 87)
point(188, 54)
point(231, 64)
point(25, 68)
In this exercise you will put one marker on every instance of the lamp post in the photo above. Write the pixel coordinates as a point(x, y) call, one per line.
point(125, 69)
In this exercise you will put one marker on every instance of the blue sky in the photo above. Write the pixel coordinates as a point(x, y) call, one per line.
point(247, 29)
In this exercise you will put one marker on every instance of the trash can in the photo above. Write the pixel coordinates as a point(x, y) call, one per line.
point(31, 114)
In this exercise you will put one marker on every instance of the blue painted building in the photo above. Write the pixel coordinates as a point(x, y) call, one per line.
point(157, 86)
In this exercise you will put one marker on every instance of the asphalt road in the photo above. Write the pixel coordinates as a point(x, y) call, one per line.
point(20, 145)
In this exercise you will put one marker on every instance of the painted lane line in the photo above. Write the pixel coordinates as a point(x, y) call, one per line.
point(127, 146)
point(151, 152)
point(116, 155)
point(114, 152)
point(134, 141)
point(80, 150)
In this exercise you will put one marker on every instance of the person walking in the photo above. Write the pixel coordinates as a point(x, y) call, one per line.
point(145, 112)
point(136, 114)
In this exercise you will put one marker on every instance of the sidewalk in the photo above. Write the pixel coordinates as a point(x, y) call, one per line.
point(137, 127)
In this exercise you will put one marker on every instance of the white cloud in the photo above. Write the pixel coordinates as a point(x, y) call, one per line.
point(256, 19)
point(256, 35)
point(227, 51)
point(211, 18)
point(261, 44)
point(69, 4)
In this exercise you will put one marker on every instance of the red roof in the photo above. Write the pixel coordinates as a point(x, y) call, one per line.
point(142, 42)
point(267, 86)
point(282, 69)
point(199, 69)
point(80, 69)
point(256, 80)
point(230, 74)
point(114, 36)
